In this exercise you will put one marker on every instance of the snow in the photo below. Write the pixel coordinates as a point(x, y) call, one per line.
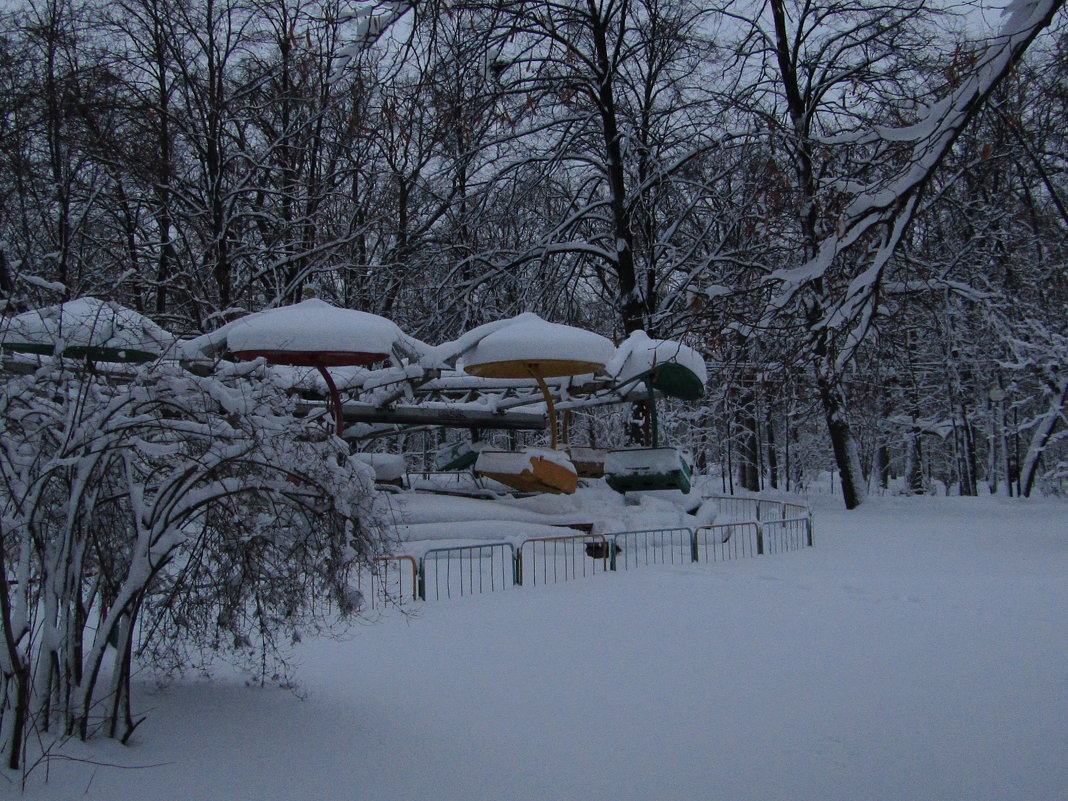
point(643, 460)
point(530, 338)
point(447, 353)
point(313, 325)
point(916, 652)
point(308, 379)
point(86, 322)
point(595, 505)
point(515, 462)
point(416, 508)
point(420, 536)
point(639, 354)
point(450, 453)
point(892, 197)
point(583, 454)
point(387, 466)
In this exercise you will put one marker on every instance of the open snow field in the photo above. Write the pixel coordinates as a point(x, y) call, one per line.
point(919, 651)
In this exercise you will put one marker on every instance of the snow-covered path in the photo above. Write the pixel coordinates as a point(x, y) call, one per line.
point(919, 651)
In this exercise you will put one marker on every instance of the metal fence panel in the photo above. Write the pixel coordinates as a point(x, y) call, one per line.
point(734, 508)
point(466, 570)
point(790, 534)
point(725, 541)
point(769, 510)
point(388, 581)
point(657, 546)
point(549, 560)
point(492, 567)
point(730, 508)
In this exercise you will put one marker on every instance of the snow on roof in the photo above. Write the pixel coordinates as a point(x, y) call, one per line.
point(86, 323)
point(645, 461)
point(310, 326)
point(530, 338)
point(639, 354)
point(445, 354)
point(513, 463)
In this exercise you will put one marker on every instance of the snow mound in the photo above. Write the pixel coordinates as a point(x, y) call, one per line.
point(85, 323)
point(530, 338)
point(313, 325)
point(644, 460)
point(461, 532)
point(516, 462)
point(640, 355)
point(387, 466)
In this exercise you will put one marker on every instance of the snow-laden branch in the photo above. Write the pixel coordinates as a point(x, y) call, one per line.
point(370, 20)
point(890, 201)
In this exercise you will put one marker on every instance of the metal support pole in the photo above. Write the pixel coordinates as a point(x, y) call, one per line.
point(551, 408)
point(652, 413)
point(335, 399)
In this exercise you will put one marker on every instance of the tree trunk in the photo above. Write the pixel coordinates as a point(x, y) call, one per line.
point(843, 442)
point(749, 452)
point(914, 462)
point(882, 470)
point(969, 476)
point(1043, 433)
point(773, 457)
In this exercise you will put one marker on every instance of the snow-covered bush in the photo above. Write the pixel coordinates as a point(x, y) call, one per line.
point(164, 516)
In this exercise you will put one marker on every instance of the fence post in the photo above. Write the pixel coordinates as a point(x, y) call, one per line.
point(517, 567)
point(694, 556)
point(613, 549)
point(421, 582)
point(760, 535)
point(808, 529)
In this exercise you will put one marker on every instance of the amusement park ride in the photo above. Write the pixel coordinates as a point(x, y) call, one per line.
point(520, 373)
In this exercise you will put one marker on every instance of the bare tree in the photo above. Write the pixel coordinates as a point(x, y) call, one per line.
point(119, 506)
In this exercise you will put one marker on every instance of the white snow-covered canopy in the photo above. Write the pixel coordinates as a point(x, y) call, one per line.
point(531, 346)
point(313, 332)
point(675, 369)
point(86, 327)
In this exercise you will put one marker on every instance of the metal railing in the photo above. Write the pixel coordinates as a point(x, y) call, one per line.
point(450, 476)
point(495, 566)
point(769, 510)
point(725, 541)
point(466, 570)
point(388, 581)
point(654, 546)
point(790, 534)
point(549, 560)
point(734, 508)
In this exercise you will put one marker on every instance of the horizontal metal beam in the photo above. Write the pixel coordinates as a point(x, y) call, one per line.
point(446, 417)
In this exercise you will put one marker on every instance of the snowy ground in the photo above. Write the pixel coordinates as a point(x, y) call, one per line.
point(919, 651)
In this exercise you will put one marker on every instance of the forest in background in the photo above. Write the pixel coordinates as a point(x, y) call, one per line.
point(856, 210)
